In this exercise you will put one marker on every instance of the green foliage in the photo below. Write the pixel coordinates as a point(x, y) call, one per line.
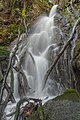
point(3, 51)
point(66, 13)
point(44, 5)
point(24, 11)
point(12, 29)
point(40, 110)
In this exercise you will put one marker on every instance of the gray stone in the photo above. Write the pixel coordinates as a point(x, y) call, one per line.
point(62, 110)
point(64, 107)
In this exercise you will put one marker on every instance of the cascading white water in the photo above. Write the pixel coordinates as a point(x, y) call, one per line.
point(39, 42)
point(40, 46)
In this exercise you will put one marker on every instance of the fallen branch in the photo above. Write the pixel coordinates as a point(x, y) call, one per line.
point(21, 102)
point(4, 104)
point(61, 52)
point(14, 50)
point(20, 71)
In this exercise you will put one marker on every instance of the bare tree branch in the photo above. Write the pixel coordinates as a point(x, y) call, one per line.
point(21, 102)
point(9, 67)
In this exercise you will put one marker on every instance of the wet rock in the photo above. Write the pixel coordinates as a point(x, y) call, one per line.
point(62, 22)
point(76, 64)
point(64, 107)
point(34, 116)
point(61, 32)
point(63, 110)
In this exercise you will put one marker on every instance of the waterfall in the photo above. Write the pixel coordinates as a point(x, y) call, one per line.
point(40, 42)
point(42, 48)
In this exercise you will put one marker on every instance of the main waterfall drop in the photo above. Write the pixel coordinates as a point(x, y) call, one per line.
point(40, 43)
point(41, 48)
point(43, 45)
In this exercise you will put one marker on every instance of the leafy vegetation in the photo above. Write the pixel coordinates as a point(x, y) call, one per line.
point(14, 11)
point(3, 51)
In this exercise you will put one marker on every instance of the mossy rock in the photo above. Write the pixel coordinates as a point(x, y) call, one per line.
point(69, 94)
point(3, 51)
point(37, 115)
point(63, 107)
point(34, 116)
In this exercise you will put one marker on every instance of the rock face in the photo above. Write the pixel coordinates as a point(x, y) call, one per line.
point(63, 110)
point(76, 64)
point(76, 60)
point(61, 33)
point(63, 23)
point(63, 107)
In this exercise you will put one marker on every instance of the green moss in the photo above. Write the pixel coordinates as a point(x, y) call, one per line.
point(40, 111)
point(3, 51)
point(69, 91)
point(69, 94)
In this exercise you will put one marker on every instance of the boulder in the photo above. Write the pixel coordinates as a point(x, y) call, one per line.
point(63, 107)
